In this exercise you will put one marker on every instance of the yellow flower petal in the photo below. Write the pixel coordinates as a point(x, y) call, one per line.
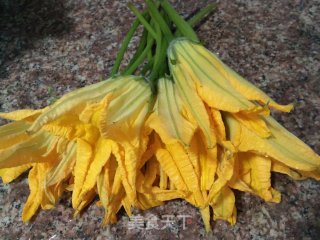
point(313, 174)
point(85, 201)
point(166, 195)
point(70, 127)
point(75, 101)
point(168, 119)
point(84, 158)
point(204, 161)
point(145, 203)
point(127, 205)
point(254, 123)
point(105, 180)
point(150, 175)
point(282, 145)
point(35, 178)
point(186, 65)
point(26, 152)
point(225, 172)
point(281, 168)
point(177, 164)
point(102, 154)
point(260, 169)
point(224, 206)
point(195, 105)
point(27, 115)
point(115, 200)
point(241, 177)
point(163, 179)
point(205, 214)
point(13, 133)
point(218, 125)
point(212, 74)
point(10, 174)
point(243, 86)
point(52, 195)
point(64, 167)
point(93, 111)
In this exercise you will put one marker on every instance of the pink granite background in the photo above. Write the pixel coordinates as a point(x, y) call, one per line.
point(50, 47)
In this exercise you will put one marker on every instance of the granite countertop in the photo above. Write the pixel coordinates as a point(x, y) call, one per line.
point(48, 48)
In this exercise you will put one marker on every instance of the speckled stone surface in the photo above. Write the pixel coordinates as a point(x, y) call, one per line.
point(48, 48)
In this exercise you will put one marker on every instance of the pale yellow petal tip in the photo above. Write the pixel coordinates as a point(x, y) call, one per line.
point(257, 109)
point(110, 218)
point(276, 196)
point(20, 114)
point(76, 214)
point(208, 228)
point(25, 220)
point(283, 108)
point(26, 215)
point(48, 206)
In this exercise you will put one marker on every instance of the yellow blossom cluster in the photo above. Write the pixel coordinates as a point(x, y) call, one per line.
point(206, 131)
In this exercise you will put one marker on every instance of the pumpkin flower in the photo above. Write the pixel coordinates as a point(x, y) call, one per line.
point(193, 152)
point(41, 153)
point(250, 143)
point(70, 143)
point(218, 86)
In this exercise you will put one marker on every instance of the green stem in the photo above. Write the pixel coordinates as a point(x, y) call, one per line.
point(124, 47)
point(198, 17)
point(155, 14)
point(141, 47)
point(202, 14)
point(157, 56)
point(133, 67)
point(162, 60)
point(142, 20)
point(181, 24)
point(147, 67)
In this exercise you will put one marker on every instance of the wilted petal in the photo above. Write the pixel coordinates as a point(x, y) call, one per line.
point(36, 180)
point(205, 214)
point(105, 180)
point(28, 115)
point(225, 172)
point(260, 170)
point(64, 167)
point(224, 206)
point(84, 158)
point(10, 174)
point(115, 200)
point(282, 145)
point(177, 164)
point(281, 168)
point(102, 154)
point(52, 195)
point(218, 125)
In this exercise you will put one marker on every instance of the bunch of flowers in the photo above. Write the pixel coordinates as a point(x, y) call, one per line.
point(175, 123)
